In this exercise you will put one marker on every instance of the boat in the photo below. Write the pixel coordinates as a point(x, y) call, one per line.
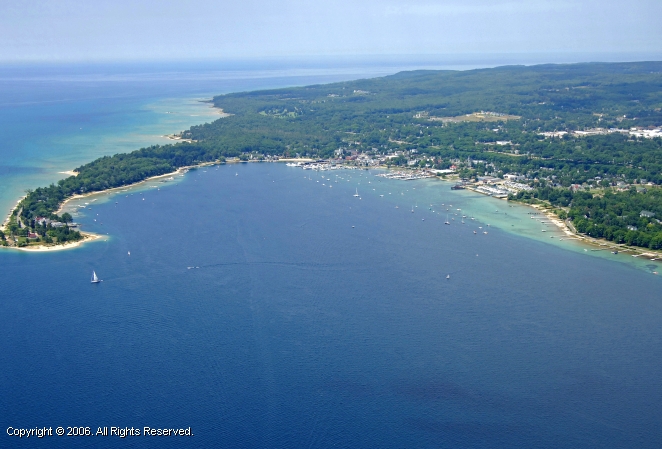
point(447, 222)
point(457, 187)
point(356, 195)
point(474, 232)
point(614, 252)
point(448, 276)
point(95, 278)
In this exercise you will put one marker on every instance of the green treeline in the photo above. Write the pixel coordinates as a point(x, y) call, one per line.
point(629, 217)
point(408, 113)
point(33, 231)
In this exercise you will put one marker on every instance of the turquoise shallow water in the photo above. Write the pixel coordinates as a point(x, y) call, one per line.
point(55, 118)
point(265, 306)
point(265, 309)
point(509, 217)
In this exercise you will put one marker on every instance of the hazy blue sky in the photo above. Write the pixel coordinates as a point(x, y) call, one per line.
point(169, 29)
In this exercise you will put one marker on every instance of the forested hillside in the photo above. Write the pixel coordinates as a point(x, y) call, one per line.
point(484, 122)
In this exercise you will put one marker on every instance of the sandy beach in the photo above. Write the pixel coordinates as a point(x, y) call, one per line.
point(130, 186)
point(220, 111)
point(554, 219)
point(87, 237)
point(11, 211)
point(594, 243)
point(90, 236)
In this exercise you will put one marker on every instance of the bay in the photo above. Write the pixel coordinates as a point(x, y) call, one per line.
point(56, 117)
point(266, 306)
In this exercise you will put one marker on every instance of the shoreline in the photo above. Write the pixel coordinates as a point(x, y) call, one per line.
point(179, 171)
point(11, 211)
point(602, 244)
point(178, 138)
point(87, 238)
point(220, 111)
point(90, 236)
point(570, 234)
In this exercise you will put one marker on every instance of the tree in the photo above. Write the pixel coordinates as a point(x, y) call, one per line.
point(66, 217)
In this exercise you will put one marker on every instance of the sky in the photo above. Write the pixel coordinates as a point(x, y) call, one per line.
point(112, 30)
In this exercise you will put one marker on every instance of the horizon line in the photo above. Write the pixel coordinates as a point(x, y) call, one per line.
point(549, 57)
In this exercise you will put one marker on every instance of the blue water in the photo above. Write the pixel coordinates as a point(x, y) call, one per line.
point(262, 308)
point(314, 319)
point(54, 118)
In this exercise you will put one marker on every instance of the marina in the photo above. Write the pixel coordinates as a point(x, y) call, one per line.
point(409, 175)
point(322, 287)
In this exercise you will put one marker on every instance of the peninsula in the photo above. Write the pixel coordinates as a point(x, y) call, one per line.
point(584, 140)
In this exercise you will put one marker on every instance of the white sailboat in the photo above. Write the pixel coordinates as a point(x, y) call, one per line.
point(447, 222)
point(357, 193)
point(95, 278)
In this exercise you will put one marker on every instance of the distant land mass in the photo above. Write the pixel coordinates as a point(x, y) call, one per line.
point(582, 140)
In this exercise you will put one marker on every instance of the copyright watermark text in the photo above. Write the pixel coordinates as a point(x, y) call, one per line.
point(105, 431)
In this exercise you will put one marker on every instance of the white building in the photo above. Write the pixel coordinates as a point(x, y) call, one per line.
point(513, 177)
